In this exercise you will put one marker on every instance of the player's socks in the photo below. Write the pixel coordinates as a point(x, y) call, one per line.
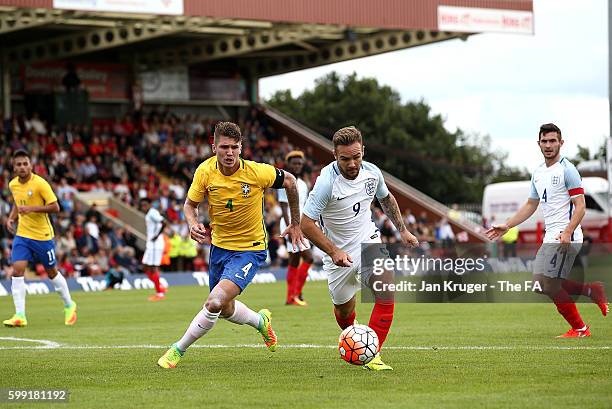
point(599, 297)
point(595, 291)
point(201, 324)
point(302, 275)
point(61, 286)
point(18, 289)
point(345, 322)
point(567, 308)
point(381, 319)
point(575, 288)
point(155, 278)
point(291, 280)
point(244, 315)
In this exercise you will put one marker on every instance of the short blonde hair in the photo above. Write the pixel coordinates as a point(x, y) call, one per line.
point(347, 136)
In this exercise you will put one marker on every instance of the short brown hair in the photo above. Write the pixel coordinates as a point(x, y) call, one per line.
point(546, 128)
point(347, 136)
point(229, 130)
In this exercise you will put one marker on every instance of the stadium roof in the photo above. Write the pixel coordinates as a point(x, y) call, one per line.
point(263, 38)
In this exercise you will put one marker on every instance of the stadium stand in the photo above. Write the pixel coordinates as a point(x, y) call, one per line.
point(150, 154)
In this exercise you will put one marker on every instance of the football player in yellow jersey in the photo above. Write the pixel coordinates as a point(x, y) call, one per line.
point(34, 200)
point(234, 188)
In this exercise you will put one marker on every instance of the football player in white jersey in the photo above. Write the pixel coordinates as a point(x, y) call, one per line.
point(154, 249)
point(557, 186)
point(340, 201)
point(297, 272)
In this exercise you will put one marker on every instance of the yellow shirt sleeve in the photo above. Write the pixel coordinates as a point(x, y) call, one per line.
point(266, 174)
point(197, 190)
point(47, 192)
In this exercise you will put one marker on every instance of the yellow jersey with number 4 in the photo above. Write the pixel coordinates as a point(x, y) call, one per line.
point(34, 192)
point(235, 202)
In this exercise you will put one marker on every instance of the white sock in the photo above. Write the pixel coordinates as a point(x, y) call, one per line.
point(18, 289)
point(244, 315)
point(61, 286)
point(201, 324)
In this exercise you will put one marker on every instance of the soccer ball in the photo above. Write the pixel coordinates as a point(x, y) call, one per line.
point(358, 344)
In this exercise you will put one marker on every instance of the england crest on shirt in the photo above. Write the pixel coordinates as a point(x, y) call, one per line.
point(555, 180)
point(370, 187)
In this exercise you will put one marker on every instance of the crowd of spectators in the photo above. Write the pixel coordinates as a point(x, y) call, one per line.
point(154, 155)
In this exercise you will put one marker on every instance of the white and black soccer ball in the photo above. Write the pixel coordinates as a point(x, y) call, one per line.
point(358, 344)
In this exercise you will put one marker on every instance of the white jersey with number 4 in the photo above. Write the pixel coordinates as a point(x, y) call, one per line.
point(555, 186)
point(342, 206)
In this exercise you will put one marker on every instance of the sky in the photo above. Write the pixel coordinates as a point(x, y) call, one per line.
point(502, 85)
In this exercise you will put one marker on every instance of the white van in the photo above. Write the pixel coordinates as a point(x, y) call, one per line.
point(502, 200)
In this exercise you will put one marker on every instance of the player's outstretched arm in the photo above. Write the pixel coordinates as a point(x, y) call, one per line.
point(524, 213)
point(293, 231)
point(48, 208)
point(197, 230)
point(392, 210)
point(312, 232)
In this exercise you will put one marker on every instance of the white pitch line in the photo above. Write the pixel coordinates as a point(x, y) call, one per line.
point(55, 345)
point(46, 344)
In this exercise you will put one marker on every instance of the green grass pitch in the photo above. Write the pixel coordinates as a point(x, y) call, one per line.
point(444, 355)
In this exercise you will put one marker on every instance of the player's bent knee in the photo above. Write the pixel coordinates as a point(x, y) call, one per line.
point(214, 305)
point(52, 272)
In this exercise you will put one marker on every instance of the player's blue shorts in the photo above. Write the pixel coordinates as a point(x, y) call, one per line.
point(42, 251)
point(237, 266)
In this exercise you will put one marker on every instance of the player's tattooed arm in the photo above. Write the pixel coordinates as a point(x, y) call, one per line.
point(293, 197)
point(391, 209)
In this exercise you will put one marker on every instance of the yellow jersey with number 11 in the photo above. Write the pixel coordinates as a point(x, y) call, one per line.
point(34, 192)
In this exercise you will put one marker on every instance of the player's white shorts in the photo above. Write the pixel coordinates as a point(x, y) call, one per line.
point(554, 260)
point(345, 282)
point(153, 252)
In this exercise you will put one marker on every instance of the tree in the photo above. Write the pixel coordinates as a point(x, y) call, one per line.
point(584, 153)
point(407, 140)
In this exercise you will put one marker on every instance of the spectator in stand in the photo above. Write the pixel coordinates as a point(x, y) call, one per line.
point(6, 266)
point(87, 171)
point(65, 194)
point(409, 219)
point(36, 124)
point(445, 233)
point(187, 252)
point(77, 148)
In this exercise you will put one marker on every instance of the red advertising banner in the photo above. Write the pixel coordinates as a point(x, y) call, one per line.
point(102, 81)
